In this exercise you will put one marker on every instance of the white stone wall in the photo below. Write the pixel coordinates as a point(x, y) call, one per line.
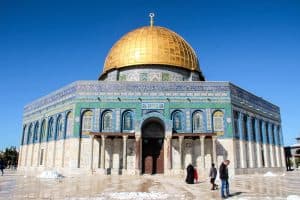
point(67, 156)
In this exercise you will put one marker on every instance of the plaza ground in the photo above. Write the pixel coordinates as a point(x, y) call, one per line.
point(16, 186)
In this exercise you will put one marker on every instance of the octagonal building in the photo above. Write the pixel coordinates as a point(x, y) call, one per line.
point(151, 111)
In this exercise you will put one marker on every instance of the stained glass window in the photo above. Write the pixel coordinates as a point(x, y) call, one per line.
point(198, 121)
point(107, 121)
point(218, 121)
point(177, 120)
point(128, 121)
point(87, 121)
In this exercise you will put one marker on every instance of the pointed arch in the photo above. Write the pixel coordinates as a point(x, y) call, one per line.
point(43, 130)
point(218, 122)
point(177, 118)
point(106, 120)
point(198, 123)
point(50, 128)
point(35, 132)
point(69, 124)
point(87, 121)
point(127, 121)
point(30, 134)
point(59, 127)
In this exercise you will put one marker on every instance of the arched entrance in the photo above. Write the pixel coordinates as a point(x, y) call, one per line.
point(153, 133)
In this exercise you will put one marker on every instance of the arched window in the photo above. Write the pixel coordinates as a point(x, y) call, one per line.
point(50, 128)
point(35, 134)
point(218, 121)
point(59, 127)
point(198, 121)
point(107, 121)
point(69, 125)
point(127, 121)
point(24, 135)
point(177, 120)
point(43, 130)
point(87, 121)
point(29, 135)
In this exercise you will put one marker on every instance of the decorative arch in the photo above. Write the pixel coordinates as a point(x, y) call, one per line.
point(69, 124)
point(107, 121)
point(50, 128)
point(87, 121)
point(127, 121)
point(29, 134)
point(218, 122)
point(177, 118)
point(35, 132)
point(43, 130)
point(198, 121)
point(23, 141)
point(59, 127)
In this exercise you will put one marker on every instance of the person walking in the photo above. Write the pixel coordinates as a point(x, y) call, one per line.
point(2, 166)
point(189, 174)
point(213, 174)
point(223, 172)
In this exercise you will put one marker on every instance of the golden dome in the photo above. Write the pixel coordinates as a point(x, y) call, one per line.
point(151, 45)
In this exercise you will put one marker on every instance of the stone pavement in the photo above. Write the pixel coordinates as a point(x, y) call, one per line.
point(16, 186)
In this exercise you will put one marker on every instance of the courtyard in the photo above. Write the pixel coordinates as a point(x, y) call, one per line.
point(17, 186)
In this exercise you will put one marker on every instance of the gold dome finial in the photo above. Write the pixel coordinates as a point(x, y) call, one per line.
point(151, 15)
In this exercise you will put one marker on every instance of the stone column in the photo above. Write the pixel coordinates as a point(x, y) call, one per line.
point(169, 152)
point(250, 142)
point(137, 153)
point(102, 153)
point(214, 150)
point(281, 148)
point(125, 137)
point(202, 153)
point(258, 144)
point(180, 138)
point(276, 146)
point(242, 142)
point(92, 151)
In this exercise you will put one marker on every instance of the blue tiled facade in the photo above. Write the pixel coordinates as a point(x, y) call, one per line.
point(185, 97)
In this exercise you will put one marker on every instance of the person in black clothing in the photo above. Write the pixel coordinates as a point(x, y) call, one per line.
point(223, 172)
point(213, 175)
point(190, 174)
point(2, 166)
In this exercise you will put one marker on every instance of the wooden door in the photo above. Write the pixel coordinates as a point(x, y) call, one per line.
point(153, 156)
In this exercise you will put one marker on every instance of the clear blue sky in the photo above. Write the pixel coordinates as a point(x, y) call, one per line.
point(45, 45)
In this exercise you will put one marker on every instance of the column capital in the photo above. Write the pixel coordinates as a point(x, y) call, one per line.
point(202, 137)
point(214, 137)
point(168, 137)
point(125, 137)
point(103, 137)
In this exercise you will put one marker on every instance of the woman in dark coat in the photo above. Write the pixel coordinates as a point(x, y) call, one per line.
point(189, 174)
point(2, 166)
